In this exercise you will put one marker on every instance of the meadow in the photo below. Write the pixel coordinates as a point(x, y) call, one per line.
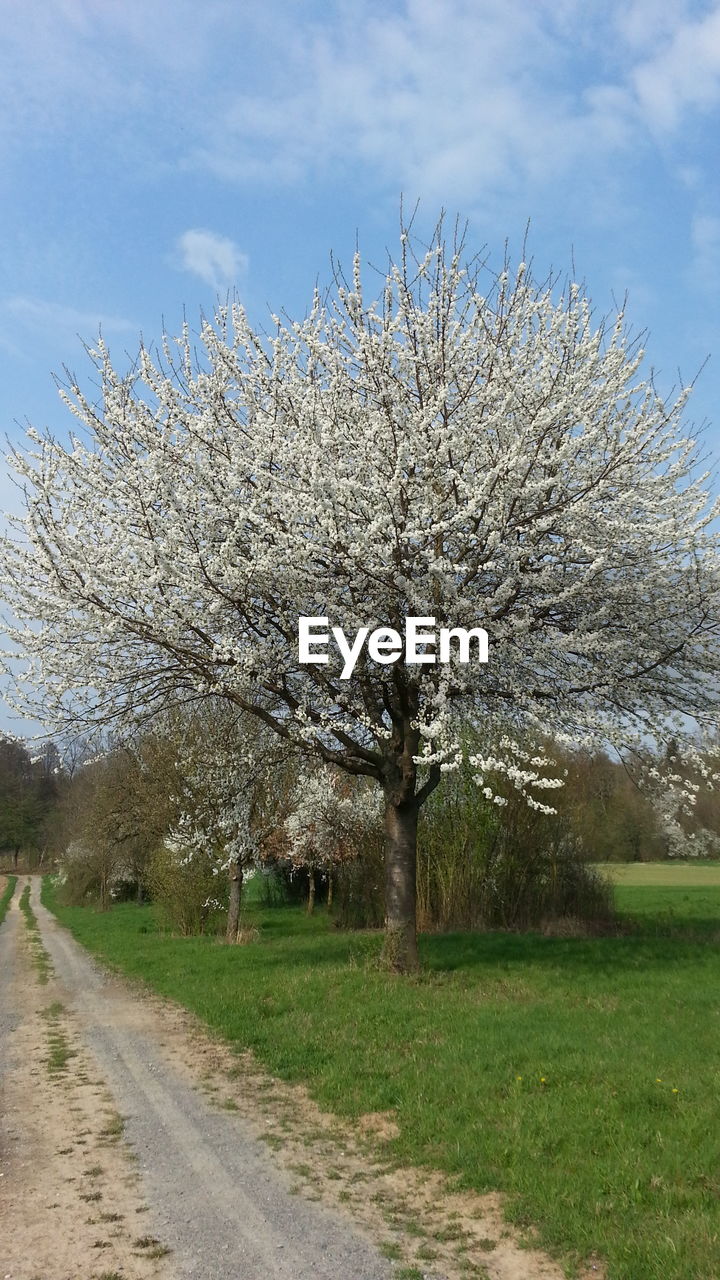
point(580, 1076)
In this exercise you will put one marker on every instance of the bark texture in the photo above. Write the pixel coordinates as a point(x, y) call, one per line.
point(401, 822)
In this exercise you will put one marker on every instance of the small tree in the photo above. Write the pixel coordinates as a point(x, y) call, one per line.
point(469, 448)
point(330, 816)
point(99, 827)
point(226, 812)
point(688, 829)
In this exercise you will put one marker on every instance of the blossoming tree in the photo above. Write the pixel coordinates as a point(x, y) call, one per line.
point(227, 807)
point(468, 448)
point(330, 818)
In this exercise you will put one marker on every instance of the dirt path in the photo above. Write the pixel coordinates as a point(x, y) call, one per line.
point(70, 1200)
point(133, 1145)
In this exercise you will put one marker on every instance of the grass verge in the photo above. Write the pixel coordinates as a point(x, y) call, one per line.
point(6, 896)
point(579, 1076)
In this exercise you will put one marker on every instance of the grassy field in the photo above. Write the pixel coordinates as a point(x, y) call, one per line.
point(661, 874)
point(582, 1077)
point(670, 898)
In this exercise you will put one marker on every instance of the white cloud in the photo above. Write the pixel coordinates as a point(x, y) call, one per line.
point(466, 104)
point(215, 259)
point(645, 24)
point(683, 75)
point(457, 93)
point(452, 99)
point(464, 97)
point(134, 74)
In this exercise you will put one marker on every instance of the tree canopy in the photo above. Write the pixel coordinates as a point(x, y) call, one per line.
point(468, 447)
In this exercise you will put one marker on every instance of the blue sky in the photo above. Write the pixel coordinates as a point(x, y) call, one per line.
point(155, 152)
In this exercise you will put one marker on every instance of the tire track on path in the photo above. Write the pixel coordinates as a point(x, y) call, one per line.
point(69, 1195)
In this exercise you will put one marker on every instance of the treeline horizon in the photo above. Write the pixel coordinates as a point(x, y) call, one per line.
point(137, 819)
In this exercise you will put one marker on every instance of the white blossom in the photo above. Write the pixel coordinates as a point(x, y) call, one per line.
point(329, 815)
point(478, 451)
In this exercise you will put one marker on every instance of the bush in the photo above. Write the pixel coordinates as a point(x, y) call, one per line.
point(359, 897)
point(89, 875)
point(284, 884)
point(190, 899)
point(481, 866)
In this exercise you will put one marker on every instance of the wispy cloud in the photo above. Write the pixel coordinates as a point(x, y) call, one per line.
point(55, 317)
point(214, 258)
point(683, 75)
point(75, 67)
point(465, 97)
point(457, 93)
point(705, 267)
point(441, 99)
point(645, 26)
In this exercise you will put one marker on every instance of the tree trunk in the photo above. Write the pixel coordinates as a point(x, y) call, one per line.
point(16, 855)
point(401, 821)
point(311, 891)
point(233, 920)
point(330, 890)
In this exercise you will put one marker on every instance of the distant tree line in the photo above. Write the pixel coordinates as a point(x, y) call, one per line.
point(189, 811)
point(29, 792)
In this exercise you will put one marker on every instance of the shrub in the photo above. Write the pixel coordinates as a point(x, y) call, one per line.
point(90, 874)
point(483, 866)
point(285, 884)
point(359, 896)
point(510, 867)
point(189, 898)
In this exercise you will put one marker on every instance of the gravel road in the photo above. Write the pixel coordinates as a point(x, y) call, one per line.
point(213, 1192)
point(134, 1146)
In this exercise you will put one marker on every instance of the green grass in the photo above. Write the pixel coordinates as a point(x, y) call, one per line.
point(29, 914)
point(113, 1130)
point(580, 1076)
point(40, 957)
point(59, 1050)
point(672, 874)
point(6, 896)
point(690, 911)
point(674, 899)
